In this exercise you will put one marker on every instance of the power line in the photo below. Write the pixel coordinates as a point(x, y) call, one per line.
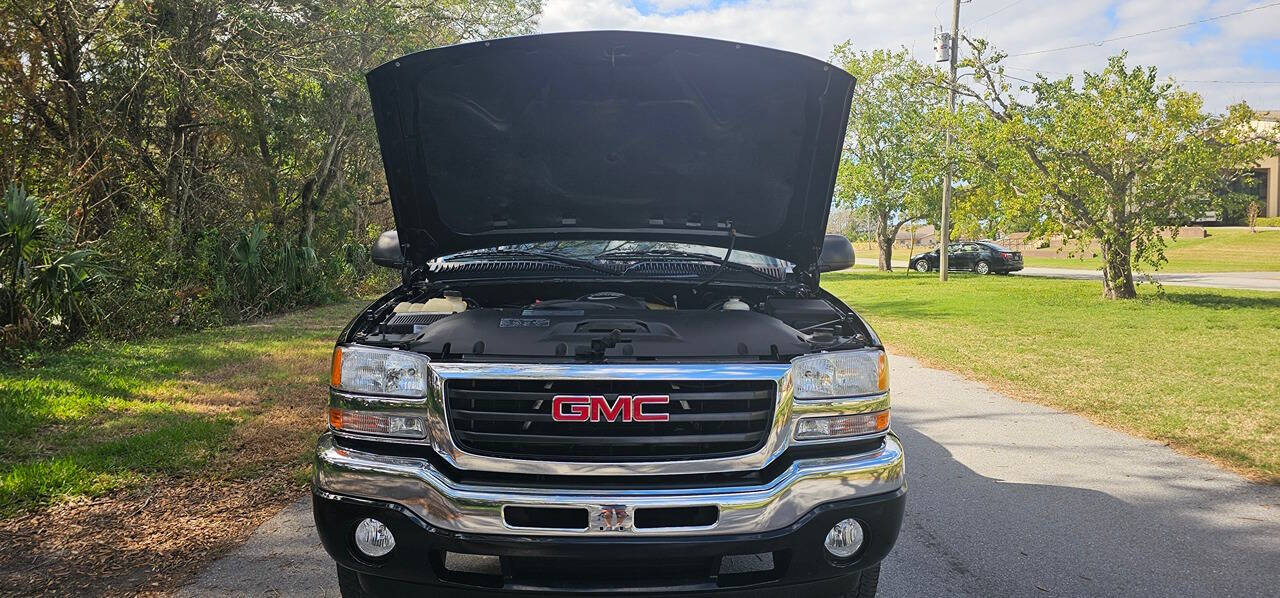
point(1176, 80)
point(1227, 82)
point(1160, 30)
point(998, 11)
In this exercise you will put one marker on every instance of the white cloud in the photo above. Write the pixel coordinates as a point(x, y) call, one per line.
point(1211, 52)
point(669, 6)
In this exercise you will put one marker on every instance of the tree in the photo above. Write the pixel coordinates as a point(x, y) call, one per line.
point(892, 161)
point(1119, 157)
point(41, 281)
point(161, 133)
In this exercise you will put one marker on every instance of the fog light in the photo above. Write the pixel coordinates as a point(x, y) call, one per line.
point(373, 538)
point(844, 539)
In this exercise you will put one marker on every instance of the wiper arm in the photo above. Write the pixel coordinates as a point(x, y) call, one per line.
point(673, 254)
point(572, 261)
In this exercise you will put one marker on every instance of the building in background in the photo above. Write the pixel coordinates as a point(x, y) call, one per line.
point(1266, 179)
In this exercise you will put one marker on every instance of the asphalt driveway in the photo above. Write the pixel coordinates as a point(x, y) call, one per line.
point(1004, 499)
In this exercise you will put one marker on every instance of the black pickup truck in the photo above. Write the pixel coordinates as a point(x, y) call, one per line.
point(609, 366)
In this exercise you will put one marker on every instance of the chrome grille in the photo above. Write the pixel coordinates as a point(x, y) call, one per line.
point(707, 419)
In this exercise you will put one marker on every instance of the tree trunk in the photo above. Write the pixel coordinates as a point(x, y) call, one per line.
point(1117, 271)
point(886, 253)
point(317, 187)
point(885, 235)
point(911, 249)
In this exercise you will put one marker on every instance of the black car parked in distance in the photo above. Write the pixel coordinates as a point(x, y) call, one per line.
point(983, 257)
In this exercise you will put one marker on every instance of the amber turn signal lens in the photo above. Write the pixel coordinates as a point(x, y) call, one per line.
point(842, 426)
point(882, 373)
point(335, 368)
point(381, 424)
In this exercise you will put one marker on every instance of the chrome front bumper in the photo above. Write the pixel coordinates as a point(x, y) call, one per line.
point(418, 486)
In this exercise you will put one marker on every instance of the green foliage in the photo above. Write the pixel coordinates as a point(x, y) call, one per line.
point(220, 156)
point(62, 287)
point(247, 253)
point(1115, 157)
point(45, 288)
point(893, 159)
point(23, 225)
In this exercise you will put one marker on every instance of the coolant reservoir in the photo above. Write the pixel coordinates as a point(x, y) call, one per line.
point(451, 303)
point(735, 304)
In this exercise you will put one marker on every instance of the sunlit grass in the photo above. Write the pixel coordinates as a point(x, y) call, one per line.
point(1224, 250)
point(1196, 368)
point(101, 416)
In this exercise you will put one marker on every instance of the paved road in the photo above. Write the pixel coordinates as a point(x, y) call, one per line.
point(1254, 281)
point(1005, 499)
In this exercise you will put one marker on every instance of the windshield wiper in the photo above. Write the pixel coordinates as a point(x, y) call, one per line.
point(639, 254)
point(572, 261)
point(676, 255)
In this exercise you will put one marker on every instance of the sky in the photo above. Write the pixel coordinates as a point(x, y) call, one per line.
point(1226, 60)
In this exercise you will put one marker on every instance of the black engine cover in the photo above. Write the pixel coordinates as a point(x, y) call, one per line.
point(641, 334)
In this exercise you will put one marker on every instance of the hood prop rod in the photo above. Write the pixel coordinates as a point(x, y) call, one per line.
point(724, 261)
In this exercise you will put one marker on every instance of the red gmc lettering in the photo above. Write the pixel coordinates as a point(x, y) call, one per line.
point(601, 409)
point(637, 408)
point(578, 408)
point(627, 408)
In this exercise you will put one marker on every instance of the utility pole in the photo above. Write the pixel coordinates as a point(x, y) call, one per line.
point(944, 235)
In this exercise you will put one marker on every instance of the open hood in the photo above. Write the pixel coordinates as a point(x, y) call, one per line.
point(610, 135)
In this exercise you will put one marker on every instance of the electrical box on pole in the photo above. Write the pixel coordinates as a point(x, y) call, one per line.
point(941, 46)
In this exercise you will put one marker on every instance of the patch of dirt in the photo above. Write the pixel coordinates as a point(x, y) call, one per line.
point(154, 537)
point(141, 542)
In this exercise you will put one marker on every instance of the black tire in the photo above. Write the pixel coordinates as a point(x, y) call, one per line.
point(866, 585)
point(1003, 273)
point(982, 267)
point(349, 584)
point(921, 266)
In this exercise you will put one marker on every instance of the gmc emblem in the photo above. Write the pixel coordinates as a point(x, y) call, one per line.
point(627, 408)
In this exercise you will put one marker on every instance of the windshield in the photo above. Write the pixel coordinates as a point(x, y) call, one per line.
point(595, 249)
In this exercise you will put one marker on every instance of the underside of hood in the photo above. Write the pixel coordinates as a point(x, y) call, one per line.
point(610, 135)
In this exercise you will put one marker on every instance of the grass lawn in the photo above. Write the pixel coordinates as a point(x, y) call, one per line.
point(220, 421)
point(1224, 250)
point(1198, 368)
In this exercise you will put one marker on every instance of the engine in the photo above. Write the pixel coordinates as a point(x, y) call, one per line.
point(610, 325)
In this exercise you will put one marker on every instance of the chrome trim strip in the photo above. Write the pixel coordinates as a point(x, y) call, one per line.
point(850, 406)
point(416, 485)
point(611, 371)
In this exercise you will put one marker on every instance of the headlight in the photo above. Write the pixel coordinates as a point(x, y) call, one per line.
point(379, 371)
point(840, 374)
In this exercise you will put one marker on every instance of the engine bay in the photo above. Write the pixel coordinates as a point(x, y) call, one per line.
point(572, 322)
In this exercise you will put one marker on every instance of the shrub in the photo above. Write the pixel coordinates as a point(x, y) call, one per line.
point(46, 286)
